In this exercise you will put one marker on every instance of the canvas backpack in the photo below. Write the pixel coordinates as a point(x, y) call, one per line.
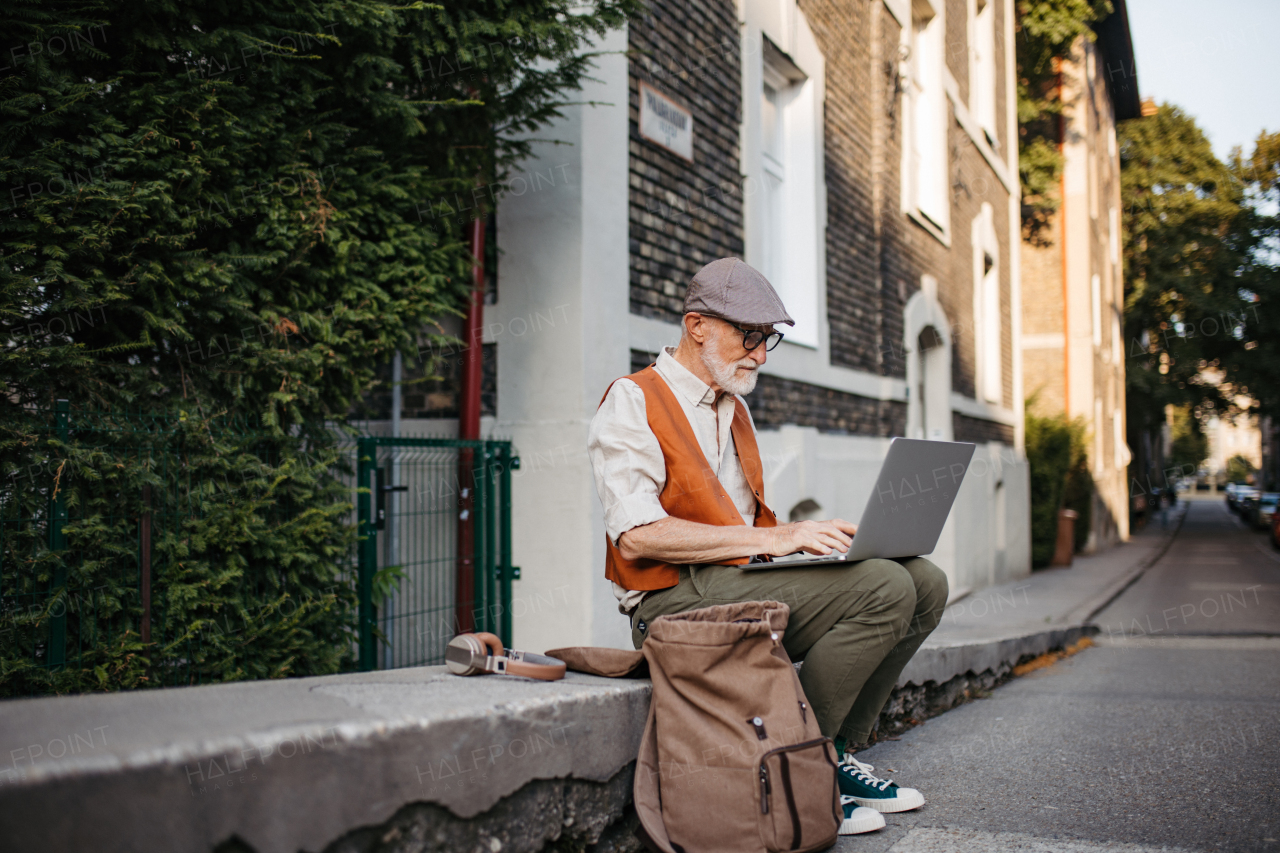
point(732, 758)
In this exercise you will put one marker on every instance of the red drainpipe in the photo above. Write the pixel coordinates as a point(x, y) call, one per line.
point(469, 428)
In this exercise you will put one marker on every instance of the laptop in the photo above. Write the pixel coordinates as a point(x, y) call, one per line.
point(908, 505)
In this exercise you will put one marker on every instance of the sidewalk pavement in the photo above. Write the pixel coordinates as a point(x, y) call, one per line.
point(995, 627)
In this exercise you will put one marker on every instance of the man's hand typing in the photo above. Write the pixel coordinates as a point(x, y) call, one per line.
point(811, 537)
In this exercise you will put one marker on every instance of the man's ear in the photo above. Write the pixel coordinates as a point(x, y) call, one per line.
point(697, 327)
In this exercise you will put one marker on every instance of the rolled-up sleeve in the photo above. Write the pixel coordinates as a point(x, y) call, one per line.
point(626, 460)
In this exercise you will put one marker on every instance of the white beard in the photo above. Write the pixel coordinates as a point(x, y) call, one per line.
point(725, 372)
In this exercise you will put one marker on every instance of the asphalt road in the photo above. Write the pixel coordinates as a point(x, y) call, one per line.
point(1166, 736)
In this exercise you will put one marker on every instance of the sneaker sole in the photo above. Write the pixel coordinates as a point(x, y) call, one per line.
point(861, 824)
point(900, 803)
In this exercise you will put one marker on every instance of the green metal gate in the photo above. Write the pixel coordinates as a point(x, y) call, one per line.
point(435, 545)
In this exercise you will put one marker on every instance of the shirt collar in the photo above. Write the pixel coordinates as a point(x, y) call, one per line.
point(682, 380)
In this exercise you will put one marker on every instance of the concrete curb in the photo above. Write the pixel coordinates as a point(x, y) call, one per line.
point(941, 664)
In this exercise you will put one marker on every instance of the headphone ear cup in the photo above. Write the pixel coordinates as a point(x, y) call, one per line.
point(465, 655)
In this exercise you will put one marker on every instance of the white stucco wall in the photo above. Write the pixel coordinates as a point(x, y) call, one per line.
point(986, 540)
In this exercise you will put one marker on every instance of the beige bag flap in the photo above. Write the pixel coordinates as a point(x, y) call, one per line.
point(611, 663)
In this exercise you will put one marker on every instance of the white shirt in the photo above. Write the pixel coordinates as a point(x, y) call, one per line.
point(627, 460)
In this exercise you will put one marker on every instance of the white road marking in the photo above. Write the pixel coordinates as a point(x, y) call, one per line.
point(1235, 587)
point(956, 840)
point(1172, 641)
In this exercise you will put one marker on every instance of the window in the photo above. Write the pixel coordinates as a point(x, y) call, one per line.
point(1113, 226)
point(1117, 341)
point(784, 231)
point(1095, 295)
point(1097, 434)
point(931, 390)
point(774, 172)
point(1117, 430)
point(987, 336)
point(925, 170)
point(982, 66)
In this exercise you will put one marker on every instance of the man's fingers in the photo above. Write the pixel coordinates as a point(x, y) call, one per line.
point(845, 527)
point(838, 536)
point(824, 542)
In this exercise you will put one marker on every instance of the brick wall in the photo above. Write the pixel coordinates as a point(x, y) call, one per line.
point(684, 215)
point(777, 401)
point(855, 301)
point(979, 431)
point(875, 254)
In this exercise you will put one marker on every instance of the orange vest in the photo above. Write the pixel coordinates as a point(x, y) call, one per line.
point(692, 491)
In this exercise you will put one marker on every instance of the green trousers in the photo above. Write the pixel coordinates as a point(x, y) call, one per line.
point(855, 626)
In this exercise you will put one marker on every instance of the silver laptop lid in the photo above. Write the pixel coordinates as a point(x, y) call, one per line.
point(912, 497)
point(907, 507)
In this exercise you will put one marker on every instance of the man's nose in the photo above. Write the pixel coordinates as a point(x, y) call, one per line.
point(759, 355)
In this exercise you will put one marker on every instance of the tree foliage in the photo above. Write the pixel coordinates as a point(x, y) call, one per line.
point(239, 210)
point(1257, 360)
point(1189, 261)
point(1190, 446)
point(1239, 469)
point(1047, 30)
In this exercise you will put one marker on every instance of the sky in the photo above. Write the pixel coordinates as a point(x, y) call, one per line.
point(1217, 60)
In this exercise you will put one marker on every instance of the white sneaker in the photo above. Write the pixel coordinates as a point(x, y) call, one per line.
point(858, 819)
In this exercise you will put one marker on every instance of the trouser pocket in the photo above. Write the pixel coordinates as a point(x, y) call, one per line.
point(799, 803)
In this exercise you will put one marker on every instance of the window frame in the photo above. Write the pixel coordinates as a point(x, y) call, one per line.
point(785, 234)
point(925, 110)
point(983, 72)
point(988, 320)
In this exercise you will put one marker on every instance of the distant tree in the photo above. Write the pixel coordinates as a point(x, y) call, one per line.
point(1239, 469)
point(1046, 32)
point(1257, 363)
point(1188, 250)
point(1190, 444)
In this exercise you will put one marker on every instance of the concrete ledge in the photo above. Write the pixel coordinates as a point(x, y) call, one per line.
point(941, 663)
point(295, 765)
point(422, 760)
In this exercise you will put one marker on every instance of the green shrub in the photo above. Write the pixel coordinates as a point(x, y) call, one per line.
point(232, 211)
point(1058, 458)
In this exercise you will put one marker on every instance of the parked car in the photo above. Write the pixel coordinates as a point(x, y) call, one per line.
point(1244, 496)
point(1264, 510)
point(1231, 495)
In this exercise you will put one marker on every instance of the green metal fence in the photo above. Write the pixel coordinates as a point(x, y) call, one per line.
point(434, 557)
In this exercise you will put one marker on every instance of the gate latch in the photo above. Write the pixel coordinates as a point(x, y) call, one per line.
point(380, 497)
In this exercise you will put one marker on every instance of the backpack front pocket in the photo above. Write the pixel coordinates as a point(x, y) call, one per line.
point(799, 805)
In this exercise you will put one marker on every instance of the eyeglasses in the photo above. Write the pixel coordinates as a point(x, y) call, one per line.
point(754, 337)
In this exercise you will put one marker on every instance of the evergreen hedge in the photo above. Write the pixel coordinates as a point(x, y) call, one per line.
point(234, 210)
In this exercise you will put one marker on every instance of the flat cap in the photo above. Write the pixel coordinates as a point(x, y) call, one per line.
point(733, 291)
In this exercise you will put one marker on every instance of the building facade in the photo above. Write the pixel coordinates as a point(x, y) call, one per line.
point(1072, 272)
point(860, 153)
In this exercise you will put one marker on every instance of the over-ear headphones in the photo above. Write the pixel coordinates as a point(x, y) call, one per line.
point(477, 654)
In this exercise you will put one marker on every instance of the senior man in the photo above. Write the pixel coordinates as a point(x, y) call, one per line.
point(673, 450)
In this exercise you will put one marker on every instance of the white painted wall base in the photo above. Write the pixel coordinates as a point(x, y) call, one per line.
point(987, 538)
